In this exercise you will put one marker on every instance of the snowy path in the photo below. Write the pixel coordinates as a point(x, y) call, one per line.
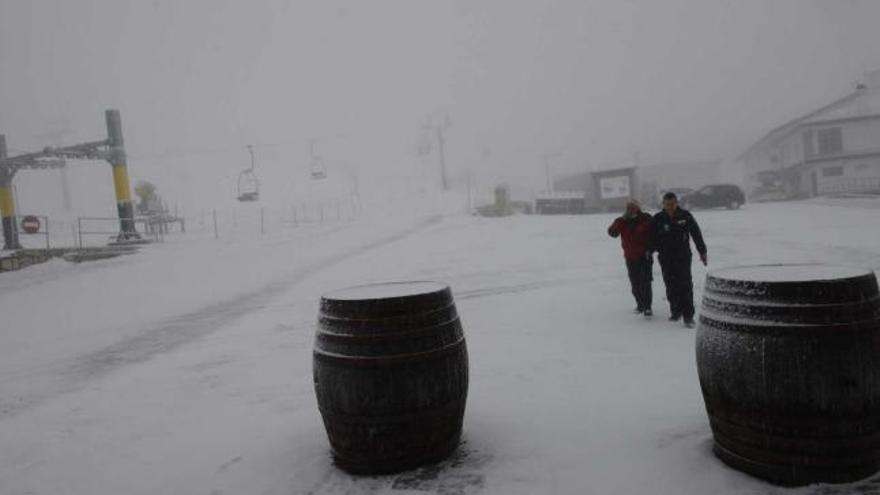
point(570, 393)
point(72, 372)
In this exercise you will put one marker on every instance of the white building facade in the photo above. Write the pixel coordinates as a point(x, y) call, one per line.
point(833, 150)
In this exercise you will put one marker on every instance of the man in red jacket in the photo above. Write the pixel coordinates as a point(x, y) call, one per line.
point(634, 229)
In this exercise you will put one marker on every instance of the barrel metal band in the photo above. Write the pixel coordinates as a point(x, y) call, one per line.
point(381, 336)
point(391, 359)
point(733, 323)
point(379, 319)
point(445, 410)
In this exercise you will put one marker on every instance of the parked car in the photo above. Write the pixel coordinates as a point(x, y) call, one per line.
point(679, 192)
point(713, 196)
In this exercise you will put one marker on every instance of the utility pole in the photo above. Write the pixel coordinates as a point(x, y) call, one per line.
point(469, 199)
point(438, 128)
point(547, 157)
point(549, 186)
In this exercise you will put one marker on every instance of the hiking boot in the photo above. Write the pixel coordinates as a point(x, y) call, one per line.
point(637, 311)
point(689, 323)
point(648, 313)
point(674, 317)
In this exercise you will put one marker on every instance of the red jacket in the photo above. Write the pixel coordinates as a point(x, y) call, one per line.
point(634, 234)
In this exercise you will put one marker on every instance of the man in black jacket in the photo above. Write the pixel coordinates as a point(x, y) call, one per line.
point(671, 233)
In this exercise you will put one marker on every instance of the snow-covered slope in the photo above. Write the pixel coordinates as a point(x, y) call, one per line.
point(187, 368)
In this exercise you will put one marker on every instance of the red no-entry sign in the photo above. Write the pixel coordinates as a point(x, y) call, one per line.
point(30, 224)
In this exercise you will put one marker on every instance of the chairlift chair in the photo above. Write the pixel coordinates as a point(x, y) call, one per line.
point(248, 184)
point(318, 170)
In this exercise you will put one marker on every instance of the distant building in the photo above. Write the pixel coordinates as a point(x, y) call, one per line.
point(561, 203)
point(609, 188)
point(832, 150)
point(655, 179)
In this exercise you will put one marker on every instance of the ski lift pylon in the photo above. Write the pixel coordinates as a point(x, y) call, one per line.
point(248, 184)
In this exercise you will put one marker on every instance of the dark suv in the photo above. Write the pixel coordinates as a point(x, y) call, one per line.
point(715, 195)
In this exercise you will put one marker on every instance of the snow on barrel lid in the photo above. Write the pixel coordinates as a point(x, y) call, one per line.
point(789, 272)
point(385, 290)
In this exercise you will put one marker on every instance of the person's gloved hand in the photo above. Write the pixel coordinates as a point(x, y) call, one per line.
point(703, 258)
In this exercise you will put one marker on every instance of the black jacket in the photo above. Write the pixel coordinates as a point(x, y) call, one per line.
point(670, 236)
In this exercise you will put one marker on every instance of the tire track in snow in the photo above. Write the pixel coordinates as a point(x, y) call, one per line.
point(513, 289)
point(172, 333)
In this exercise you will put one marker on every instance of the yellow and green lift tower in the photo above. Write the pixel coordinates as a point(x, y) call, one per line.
point(111, 149)
point(7, 202)
point(116, 157)
point(8, 168)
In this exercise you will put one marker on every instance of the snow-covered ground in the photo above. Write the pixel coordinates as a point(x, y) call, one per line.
point(186, 368)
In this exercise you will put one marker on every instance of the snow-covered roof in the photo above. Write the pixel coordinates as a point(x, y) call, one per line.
point(864, 101)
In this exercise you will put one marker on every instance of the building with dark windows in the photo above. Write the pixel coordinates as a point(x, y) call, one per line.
point(608, 188)
point(831, 151)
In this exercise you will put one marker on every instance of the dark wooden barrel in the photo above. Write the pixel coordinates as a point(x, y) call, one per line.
point(391, 375)
point(789, 364)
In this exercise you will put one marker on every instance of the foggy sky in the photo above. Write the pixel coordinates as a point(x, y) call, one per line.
point(594, 81)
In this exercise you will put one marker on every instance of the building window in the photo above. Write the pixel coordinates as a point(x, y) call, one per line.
point(809, 149)
point(832, 171)
point(829, 140)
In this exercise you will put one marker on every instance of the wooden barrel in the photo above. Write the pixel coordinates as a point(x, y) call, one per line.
point(789, 363)
point(391, 375)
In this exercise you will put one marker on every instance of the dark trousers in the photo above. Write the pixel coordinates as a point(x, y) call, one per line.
point(679, 286)
point(640, 277)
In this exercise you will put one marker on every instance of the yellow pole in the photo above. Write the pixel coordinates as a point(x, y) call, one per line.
point(120, 182)
point(124, 206)
point(7, 211)
point(7, 202)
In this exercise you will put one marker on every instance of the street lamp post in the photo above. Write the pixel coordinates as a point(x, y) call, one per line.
point(438, 128)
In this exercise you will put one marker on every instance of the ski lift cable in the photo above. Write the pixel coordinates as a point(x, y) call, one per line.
point(226, 149)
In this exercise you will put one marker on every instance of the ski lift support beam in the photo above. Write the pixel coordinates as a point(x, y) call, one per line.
point(111, 150)
point(8, 168)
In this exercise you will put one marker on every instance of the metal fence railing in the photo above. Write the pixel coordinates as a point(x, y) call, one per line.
point(845, 185)
point(109, 227)
point(255, 220)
